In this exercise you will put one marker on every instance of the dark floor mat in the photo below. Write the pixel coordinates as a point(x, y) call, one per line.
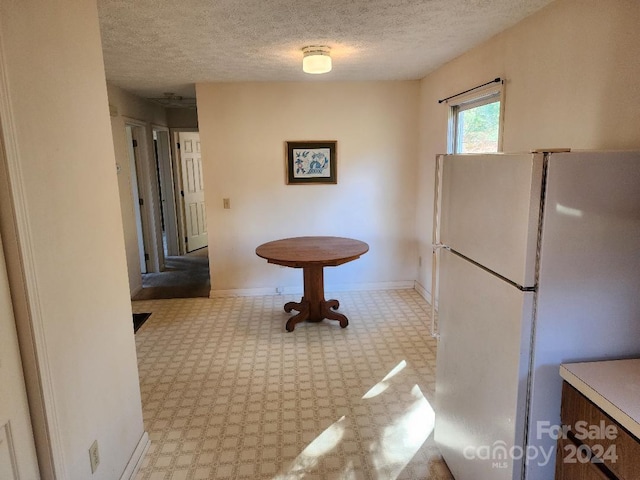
point(139, 319)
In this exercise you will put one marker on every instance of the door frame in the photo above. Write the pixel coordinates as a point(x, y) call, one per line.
point(144, 169)
point(15, 414)
point(167, 192)
point(132, 135)
point(26, 302)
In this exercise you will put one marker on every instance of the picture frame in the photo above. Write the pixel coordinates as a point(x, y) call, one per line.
point(312, 162)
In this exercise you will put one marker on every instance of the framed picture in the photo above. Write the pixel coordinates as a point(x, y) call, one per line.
point(312, 162)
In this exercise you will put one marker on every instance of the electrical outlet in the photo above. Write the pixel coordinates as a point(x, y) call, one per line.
point(279, 290)
point(94, 456)
point(226, 203)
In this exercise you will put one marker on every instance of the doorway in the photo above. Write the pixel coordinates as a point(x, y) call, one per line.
point(135, 134)
point(184, 276)
point(182, 223)
point(166, 191)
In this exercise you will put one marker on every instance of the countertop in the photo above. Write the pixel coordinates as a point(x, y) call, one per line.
point(613, 385)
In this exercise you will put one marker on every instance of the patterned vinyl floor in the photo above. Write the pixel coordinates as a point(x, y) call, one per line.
point(227, 393)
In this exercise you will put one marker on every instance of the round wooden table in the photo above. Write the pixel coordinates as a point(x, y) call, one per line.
point(312, 254)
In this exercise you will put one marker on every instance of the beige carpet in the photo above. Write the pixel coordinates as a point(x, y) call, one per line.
point(228, 394)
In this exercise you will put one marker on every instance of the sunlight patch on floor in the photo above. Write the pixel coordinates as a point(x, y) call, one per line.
point(402, 439)
point(395, 443)
point(381, 386)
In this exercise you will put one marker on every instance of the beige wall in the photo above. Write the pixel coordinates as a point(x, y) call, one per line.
point(243, 129)
point(572, 73)
point(126, 107)
point(72, 305)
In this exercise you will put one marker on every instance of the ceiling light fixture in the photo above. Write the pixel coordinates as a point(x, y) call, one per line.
point(316, 60)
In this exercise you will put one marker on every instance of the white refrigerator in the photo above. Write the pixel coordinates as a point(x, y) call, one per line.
point(537, 261)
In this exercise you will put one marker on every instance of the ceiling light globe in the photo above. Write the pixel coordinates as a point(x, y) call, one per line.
point(316, 60)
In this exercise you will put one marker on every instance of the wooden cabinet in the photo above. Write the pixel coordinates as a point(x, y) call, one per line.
point(594, 446)
point(578, 470)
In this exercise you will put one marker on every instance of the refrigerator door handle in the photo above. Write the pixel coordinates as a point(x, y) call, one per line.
point(435, 266)
point(435, 244)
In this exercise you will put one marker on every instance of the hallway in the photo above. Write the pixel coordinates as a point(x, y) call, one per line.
point(184, 276)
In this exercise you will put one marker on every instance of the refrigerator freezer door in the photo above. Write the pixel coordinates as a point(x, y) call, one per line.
point(490, 211)
point(481, 374)
point(588, 299)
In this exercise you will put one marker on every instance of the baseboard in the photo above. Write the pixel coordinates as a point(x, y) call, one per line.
point(245, 292)
point(297, 290)
point(136, 291)
point(424, 293)
point(136, 459)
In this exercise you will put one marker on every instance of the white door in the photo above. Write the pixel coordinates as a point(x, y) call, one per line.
point(193, 190)
point(17, 450)
point(135, 191)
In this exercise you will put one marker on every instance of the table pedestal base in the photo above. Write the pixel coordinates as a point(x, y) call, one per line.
point(313, 307)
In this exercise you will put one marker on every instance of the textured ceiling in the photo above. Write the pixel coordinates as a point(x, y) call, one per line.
point(156, 46)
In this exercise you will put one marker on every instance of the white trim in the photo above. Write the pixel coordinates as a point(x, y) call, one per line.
point(148, 187)
point(185, 129)
point(501, 122)
point(136, 291)
point(424, 293)
point(477, 94)
point(250, 292)
point(473, 99)
point(134, 121)
point(32, 325)
point(135, 462)
point(136, 194)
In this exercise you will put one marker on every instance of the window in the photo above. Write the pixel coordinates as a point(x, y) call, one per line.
point(475, 121)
